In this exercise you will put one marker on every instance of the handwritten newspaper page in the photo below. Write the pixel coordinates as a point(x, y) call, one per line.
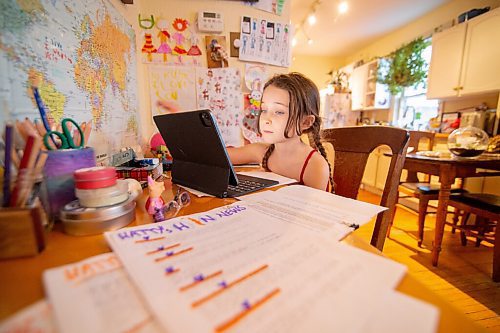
point(36, 317)
point(96, 295)
point(237, 267)
point(314, 209)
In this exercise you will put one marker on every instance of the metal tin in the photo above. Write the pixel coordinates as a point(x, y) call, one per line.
point(82, 221)
point(95, 177)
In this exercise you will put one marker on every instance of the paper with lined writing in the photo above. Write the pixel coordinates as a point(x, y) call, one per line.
point(95, 295)
point(241, 268)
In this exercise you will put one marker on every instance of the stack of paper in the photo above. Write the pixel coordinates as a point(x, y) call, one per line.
point(269, 263)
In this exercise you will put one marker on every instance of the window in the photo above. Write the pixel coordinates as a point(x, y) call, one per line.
point(415, 110)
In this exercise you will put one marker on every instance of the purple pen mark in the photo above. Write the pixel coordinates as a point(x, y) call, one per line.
point(170, 270)
point(246, 305)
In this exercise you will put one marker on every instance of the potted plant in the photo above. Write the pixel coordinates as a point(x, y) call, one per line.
point(339, 81)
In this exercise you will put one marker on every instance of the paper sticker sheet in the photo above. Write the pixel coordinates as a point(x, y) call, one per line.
point(271, 6)
point(265, 41)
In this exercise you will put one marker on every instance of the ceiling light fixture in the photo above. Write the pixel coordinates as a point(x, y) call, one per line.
point(343, 7)
point(311, 19)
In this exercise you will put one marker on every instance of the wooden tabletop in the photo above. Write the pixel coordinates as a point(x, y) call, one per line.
point(21, 279)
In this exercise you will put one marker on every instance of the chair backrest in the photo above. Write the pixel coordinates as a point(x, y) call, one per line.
point(352, 147)
point(415, 138)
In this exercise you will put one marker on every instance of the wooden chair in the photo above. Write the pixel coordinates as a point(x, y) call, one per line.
point(486, 207)
point(352, 145)
point(413, 187)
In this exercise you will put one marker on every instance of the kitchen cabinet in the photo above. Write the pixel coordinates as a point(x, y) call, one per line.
point(367, 93)
point(466, 58)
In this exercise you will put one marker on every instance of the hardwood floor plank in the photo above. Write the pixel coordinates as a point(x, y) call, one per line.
point(463, 276)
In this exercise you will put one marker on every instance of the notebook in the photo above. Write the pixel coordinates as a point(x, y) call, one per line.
point(200, 159)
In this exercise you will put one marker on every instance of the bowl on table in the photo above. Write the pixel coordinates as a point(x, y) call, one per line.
point(468, 142)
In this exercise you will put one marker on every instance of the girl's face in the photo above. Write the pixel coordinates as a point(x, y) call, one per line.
point(274, 115)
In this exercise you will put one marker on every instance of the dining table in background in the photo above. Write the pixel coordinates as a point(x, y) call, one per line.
point(448, 169)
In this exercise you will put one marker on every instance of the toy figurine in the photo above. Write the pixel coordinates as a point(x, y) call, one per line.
point(155, 203)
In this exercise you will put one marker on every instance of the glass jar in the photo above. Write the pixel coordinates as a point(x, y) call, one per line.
point(468, 141)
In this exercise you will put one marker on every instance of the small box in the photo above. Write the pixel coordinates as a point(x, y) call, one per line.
point(23, 231)
point(140, 173)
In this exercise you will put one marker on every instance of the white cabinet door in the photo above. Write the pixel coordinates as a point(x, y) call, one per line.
point(357, 85)
point(481, 65)
point(447, 53)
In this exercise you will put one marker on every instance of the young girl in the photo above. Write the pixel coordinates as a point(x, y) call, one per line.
point(289, 108)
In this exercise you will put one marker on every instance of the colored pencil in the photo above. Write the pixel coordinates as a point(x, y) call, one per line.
point(8, 159)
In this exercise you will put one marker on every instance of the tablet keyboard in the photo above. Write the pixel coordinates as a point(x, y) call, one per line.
point(248, 184)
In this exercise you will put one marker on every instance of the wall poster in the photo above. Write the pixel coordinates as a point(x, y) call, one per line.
point(265, 41)
point(174, 84)
point(219, 89)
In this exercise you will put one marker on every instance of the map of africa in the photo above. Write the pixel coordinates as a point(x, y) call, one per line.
point(82, 53)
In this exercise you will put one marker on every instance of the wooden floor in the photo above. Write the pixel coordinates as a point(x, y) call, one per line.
point(463, 275)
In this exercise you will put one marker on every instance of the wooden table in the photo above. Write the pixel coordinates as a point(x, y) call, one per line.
point(448, 169)
point(21, 283)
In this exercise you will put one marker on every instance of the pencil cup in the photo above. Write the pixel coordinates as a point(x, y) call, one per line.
point(58, 171)
point(23, 230)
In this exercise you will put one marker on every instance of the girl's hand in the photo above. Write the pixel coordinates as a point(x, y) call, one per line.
point(168, 106)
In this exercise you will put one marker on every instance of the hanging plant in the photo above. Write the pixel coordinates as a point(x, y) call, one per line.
point(406, 67)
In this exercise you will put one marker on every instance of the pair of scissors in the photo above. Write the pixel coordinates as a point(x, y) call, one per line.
point(66, 136)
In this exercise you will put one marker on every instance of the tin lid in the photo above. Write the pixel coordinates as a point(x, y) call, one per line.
point(95, 177)
point(74, 212)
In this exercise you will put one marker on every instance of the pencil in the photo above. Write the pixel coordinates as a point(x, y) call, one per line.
point(8, 159)
point(86, 133)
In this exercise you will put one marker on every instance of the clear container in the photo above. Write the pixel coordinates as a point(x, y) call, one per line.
point(105, 196)
point(468, 141)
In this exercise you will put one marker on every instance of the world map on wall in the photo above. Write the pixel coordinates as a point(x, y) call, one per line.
point(82, 54)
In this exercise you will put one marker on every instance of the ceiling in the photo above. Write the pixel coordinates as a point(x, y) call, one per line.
point(364, 22)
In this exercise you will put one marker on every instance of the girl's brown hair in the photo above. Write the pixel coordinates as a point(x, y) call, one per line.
point(304, 101)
